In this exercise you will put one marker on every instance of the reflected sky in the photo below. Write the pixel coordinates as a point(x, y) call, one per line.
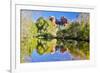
point(57, 56)
point(42, 41)
point(54, 50)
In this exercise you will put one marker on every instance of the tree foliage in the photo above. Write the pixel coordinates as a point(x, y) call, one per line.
point(43, 36)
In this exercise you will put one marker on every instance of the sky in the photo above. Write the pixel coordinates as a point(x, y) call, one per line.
point(69, 15)
point(57, 56)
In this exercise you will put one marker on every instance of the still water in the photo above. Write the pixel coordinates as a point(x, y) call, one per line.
point(55, 50)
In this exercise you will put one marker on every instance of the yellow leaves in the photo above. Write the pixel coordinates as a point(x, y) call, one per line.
point(52, 29)
point(51, 44)
point(40, 50)
point(27, 43)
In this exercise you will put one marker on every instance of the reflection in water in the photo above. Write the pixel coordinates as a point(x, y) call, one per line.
point(50, 39)
point(54, 49)
point(57, 56)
